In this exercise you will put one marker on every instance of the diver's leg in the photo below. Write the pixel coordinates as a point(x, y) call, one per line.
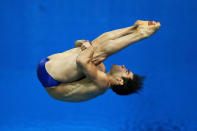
point(144, 30)
point(113, 34)
point(107, 36)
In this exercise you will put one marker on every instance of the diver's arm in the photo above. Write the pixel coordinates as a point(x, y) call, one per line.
point(89, 69)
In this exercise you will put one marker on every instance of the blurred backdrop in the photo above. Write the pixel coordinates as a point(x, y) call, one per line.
point(33, 29)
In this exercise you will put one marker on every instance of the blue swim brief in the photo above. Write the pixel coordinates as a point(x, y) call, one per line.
point(43, 75)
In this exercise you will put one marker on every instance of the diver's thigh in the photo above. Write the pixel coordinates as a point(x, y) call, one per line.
point(63, 66)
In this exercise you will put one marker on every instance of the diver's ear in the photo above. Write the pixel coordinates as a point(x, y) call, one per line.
point(120, 81)
point(116, 81)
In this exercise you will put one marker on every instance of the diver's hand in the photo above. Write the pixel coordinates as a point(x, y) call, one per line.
point(147, 28)
point(85, 45)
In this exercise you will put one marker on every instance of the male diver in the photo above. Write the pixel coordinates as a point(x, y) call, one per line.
point(79, 75)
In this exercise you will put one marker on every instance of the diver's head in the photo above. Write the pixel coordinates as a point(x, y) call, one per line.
point(131, 83)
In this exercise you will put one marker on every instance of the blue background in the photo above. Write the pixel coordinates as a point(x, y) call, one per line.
point(33, 29)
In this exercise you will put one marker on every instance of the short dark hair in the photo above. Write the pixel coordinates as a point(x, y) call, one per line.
point(130, 86)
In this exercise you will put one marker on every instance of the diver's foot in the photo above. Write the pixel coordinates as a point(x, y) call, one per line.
point(147, 28)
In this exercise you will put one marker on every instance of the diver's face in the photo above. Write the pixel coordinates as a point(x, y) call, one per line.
point(121, 71)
